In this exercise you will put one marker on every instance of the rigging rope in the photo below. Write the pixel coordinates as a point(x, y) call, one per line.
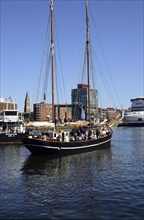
point(105, 61)
point(44, 75)
point(43, 57)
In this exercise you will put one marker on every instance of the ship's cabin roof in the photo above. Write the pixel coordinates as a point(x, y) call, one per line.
point(137, 99)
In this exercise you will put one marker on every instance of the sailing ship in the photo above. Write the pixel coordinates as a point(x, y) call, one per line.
point(69, 141)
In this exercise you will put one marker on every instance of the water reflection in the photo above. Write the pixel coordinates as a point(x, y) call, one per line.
point(43, 165)
point(60, 183)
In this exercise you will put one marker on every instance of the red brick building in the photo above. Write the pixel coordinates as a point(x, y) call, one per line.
point(7, 105)
point(43, 112)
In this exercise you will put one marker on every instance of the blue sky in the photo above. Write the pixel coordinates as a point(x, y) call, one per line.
point(116, 32)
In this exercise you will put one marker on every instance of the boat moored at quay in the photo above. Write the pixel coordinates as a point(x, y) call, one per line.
point(7, 138)
point(135, 116)
point(12, 129)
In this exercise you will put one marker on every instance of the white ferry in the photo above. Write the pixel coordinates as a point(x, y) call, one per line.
point(135, 117)
point(11, 123)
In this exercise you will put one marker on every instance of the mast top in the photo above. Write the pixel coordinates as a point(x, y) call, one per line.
point(51, 5)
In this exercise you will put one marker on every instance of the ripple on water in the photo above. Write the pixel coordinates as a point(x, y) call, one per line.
point(106, 184)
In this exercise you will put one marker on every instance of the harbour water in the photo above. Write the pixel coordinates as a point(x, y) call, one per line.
point(104, 184)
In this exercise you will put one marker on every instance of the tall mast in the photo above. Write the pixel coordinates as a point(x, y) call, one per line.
point(52, 56)
point(88, 57)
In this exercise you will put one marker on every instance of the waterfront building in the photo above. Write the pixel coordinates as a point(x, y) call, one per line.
point(40, 111)
point(79, 102)
point(63, 112)
point(43, 112)
point(7, 104)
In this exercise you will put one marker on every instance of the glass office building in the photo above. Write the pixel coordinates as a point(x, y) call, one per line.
point(79, 101)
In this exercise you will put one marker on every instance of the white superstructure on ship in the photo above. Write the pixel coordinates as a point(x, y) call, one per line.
point(135, 116)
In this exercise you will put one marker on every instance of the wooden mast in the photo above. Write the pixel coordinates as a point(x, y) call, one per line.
point(52, 57)
point(88, 57)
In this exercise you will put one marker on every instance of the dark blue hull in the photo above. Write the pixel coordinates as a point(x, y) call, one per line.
point(11, 138)
point(41, 147)
point(132, 124)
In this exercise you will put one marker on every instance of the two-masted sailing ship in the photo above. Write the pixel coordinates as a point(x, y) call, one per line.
point(65, 142)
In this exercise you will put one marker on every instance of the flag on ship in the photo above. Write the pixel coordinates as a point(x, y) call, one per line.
point(83, 111)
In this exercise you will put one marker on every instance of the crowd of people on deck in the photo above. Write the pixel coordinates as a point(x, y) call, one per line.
point(75, 135)
point(83, 134)
point(89, 134)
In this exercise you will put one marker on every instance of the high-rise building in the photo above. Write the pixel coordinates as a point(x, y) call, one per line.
point(27, 108)
point(79, 99)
